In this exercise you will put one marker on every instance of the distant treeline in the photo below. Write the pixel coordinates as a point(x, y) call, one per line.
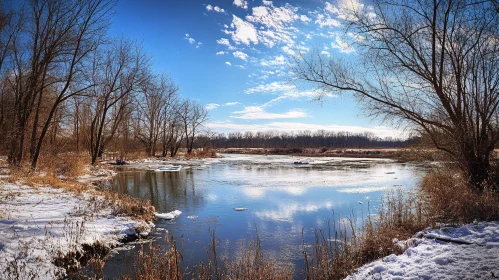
point(307, 139)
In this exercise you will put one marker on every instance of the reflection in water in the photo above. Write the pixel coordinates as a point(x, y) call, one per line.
point(167, 191)
point(283, 200)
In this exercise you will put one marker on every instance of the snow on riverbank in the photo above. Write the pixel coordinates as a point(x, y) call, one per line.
point(37, 223)
point(473, 253)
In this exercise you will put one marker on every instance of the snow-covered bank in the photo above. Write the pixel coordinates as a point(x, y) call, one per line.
point(37, 223)
point(468, 252)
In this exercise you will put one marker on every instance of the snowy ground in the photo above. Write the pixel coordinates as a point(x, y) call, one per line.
point(431, 258)
point(37, 223)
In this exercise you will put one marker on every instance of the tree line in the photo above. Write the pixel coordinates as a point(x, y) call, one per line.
point(306, 139)
point(67, 85)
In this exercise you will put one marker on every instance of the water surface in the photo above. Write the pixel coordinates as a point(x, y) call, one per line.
point(285, 202)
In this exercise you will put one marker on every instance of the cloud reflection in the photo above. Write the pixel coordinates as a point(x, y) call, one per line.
point(287, 211)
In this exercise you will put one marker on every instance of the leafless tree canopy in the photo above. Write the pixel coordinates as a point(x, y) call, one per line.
point(431, 64)
point(65, 85)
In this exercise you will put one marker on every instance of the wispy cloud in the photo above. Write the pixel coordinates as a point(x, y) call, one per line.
point(277, 60)
point(240, 55)
point(259, 113)
point(228, 63)
point(271, 87)
point(225, 42)
point(212, 106)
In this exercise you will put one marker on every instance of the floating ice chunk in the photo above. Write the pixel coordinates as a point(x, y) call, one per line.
point(240, 209)
point(168, 216)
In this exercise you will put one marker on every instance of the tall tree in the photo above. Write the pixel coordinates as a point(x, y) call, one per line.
point(118, 72)
point(432, 64)
point(154, 105)
point(192, 116)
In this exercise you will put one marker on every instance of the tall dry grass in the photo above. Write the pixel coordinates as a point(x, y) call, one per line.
point(158, 262)
point(451, 201)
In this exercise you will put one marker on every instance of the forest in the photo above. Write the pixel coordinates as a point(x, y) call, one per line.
point(66, 85)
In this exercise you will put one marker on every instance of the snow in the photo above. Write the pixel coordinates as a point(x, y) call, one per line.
point(37, 223)
point(168, 216)
point(468, 252)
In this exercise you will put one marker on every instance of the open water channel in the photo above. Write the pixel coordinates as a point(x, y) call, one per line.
point(285, 202)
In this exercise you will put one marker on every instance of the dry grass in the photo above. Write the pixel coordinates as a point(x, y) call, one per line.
point(343, 248)
point(158, 262)
point(451, 201)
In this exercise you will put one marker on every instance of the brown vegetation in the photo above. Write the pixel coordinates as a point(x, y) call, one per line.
point(157, 262)
point(67, 86)
point(402, 154)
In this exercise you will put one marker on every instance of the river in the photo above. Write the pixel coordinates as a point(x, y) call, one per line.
point(285, 198)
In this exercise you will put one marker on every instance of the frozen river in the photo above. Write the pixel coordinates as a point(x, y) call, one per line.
point(285, 201)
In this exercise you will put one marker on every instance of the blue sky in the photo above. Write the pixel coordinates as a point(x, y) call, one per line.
point(233, 56)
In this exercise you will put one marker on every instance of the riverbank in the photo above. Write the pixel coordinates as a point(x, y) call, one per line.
point(401, 154)
point(49, 226)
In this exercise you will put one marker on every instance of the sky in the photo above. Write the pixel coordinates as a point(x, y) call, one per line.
point(234, 56)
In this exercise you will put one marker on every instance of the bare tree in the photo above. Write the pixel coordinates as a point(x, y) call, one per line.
point(431, 64)
point(192, 116)
point(48, 56)
point(117, 73)
point(154, 105)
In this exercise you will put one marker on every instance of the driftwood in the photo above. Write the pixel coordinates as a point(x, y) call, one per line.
point(450, 240)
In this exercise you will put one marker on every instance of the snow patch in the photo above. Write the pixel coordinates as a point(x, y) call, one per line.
point(37, 223)
point(469, 252)
point(168, 216)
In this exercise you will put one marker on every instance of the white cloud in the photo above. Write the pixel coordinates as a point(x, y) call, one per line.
point(278, 60)
point(211, 106)
point(323, 20)
point(267, 3)
point(189, 38)
point(215, 9)
point(288, 50)
point(218, 9)
point(272, 87)
point(244, 32)
point(258, 113)
point(304, 18)
point(326, 53)
point(342, 45)
point(240, 55)
point(225, 42)
point(380, 131)
point(228, 63)
point(241, 3)
point(220, 53)
point(344, 9)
